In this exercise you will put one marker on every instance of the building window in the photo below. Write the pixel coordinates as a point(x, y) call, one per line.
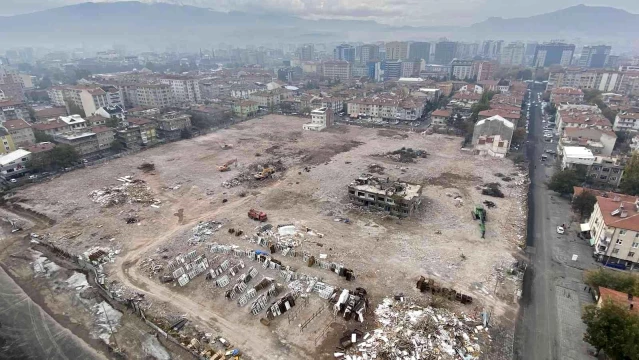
point(606, 170)
point(622, 232)
point(613, 178)
point(615, 251)
point(631, 254)
point(635, 244)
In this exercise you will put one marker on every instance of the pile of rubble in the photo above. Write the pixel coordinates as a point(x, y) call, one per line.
point(409, 331)
point(100, 255)
point(130, 191)
point(203, 231)
point(404, 155)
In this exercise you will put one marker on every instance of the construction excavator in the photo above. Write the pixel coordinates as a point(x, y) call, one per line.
point(479, 213)
point(266, 172)
point(225, 166)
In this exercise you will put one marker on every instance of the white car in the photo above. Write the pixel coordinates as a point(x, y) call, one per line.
point(13, 181)
point(560, 230)
point(548, 135)
point(31, 177)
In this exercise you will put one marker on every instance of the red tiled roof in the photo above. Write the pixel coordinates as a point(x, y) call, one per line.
point(469, 96)
point(629, 116)
point(577, 117)
point(51, 112)
point(16, 124)
point(608, 205)
point(441, 112)
point(56, 124)
point(10, 103)
point(40, 147)
point(619, 298)
point(567, 91)
point(503, 113)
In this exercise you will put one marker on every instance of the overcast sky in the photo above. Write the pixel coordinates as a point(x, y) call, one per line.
point(396, 12)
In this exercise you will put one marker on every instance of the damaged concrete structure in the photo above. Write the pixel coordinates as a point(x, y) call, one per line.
point(396, 197)
point(320, 119)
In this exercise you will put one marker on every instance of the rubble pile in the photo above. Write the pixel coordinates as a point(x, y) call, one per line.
point(100, 255)
point(404, 155)
point(130, 191)
point(203, 231)
point(409, 331)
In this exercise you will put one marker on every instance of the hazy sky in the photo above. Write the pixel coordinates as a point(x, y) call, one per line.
point(396, 12)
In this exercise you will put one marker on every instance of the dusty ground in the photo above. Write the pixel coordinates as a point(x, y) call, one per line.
point(386, 254)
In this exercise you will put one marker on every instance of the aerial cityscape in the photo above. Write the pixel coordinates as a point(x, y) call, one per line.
point(294, 180)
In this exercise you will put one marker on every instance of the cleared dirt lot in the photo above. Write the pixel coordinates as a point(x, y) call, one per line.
point(386, 254)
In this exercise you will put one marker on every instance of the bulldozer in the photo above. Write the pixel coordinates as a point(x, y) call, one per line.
point(257, 215)
point(225, 166)
point(266, 172)
point(479, 213)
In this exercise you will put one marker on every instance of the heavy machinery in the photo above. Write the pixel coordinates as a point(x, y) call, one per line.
point(266, 172)
point(257, 215)
point(225, 166)
point(479, 213)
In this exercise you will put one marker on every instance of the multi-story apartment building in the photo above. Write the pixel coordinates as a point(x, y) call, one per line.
point(484, 70)
point(7, 141)
point(272, 98)
point(566, 94)
point(602, 80)
point(104, 135)
point(594, 56)
point(337, 70)
point(386, 108)
point(171, 124)
point(11, 83)
point(614, 227)
point(513, 54)
point(392, 70)
point(553, 54)
point(419, 51)
point(148, 131)
point(396, 50)
point(396, 197)
point(626, 121)
point(307, 52)
point(466, 50)
point(462, 69)
point(87, 99)
point(148, 95)
point(606, 172)
point(21, 132)
point(84, 142)
point(185, 89)
point(13, 110)
point(56, 95)
point(581, 116)
point(245, 108)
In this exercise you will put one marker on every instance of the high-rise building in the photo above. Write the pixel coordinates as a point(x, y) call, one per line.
point(344, 52)
point(419, 51)
point(392, 69)
point(594, 56)
point(512, 54)
point(445, 52)
point(396, 50)
point(368, 52)
point(376, 70)
point(307, 52)
point(553, 54)
point(491, 48)
point(466, 50)
point(338, 69)
point(11, 83)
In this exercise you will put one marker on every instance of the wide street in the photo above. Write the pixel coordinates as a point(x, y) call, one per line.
point(550, 325)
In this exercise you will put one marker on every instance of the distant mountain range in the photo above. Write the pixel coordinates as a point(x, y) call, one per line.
point(145, 26)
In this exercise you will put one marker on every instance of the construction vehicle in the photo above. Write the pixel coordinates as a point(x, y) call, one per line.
point(225, 166)
point(266, 172)
point(257, 215)
point(479, 213)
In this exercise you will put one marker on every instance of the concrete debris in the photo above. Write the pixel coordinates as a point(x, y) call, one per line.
point(107, 321)
point(43, 266)
point(100, 255)
point(203, 231)
point(409, 331)
point(129, 192)
point(77, 281)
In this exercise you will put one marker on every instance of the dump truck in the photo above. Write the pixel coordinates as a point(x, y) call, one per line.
point(479, 213)
point(257, 215)
point(225, 166)
point(266, 172)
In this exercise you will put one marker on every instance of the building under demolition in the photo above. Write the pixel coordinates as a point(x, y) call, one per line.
point(396, 197)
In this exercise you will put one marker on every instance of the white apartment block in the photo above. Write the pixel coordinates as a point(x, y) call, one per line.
point(87, 99)
point(184, 89)
point(153, 96)
point(513, 54)
point(602, 80)
point(337, 70)
point(56, 95)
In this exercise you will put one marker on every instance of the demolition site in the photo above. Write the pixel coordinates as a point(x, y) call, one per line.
point(263, 241)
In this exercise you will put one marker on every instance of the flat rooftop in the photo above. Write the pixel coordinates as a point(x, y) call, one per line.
point(378, 186)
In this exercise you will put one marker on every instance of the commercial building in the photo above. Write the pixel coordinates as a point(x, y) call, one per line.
point(419, 51)
point(512, 54)
point(445, 52)
point(614, 228)
point(307, 52)
point(392, 70)
point(344, 52)
point(573, 156)
point(594, 56)
point(21, 132)
point(376, 71)
point(337, 70)
point(396, 50)
point(553, 54)
point(184, 89)
point(395, 197)
point(320, 119)
point(492, 136)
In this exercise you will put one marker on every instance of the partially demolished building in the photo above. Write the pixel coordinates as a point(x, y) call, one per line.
point(396, 197)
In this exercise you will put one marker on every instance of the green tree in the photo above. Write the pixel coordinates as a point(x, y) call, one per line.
point(590, 95)
point(64, 155)
point(630, 182)
point(112, 122)
point(612, 328)
point(564, 181)
point(627, 283)
point(117, 146)
point(186, 134)
point(42, 137)
point(45, 83)
point(584, 203)
point(31, 113)
point(519, 136)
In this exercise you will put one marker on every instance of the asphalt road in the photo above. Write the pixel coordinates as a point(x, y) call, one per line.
point(550, 324)
point(27, 332)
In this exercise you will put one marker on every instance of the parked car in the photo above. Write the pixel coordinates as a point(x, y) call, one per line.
point(33, 177)
point(560, 230)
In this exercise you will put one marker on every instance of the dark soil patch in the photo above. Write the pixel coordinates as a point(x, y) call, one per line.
point(391, 133)
point(450, 179)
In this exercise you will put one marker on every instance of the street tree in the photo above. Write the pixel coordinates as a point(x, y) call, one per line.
point(564, 181)
point(584, 203)
point(612, 328)
point(630, 181)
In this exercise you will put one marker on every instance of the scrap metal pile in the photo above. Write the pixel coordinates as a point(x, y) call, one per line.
point(203, 231)
point(130, 191)
point(409, 331)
